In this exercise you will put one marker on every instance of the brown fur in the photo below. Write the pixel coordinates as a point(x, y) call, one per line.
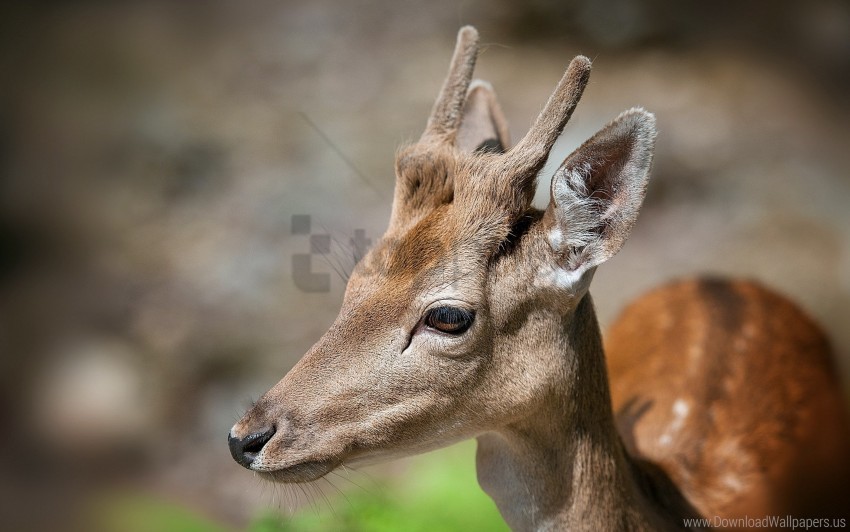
point(766, 430)
point(528, 377)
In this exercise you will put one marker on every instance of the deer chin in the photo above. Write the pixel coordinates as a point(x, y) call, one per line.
point(310, 469)
point(378, 455)
point(297, 472)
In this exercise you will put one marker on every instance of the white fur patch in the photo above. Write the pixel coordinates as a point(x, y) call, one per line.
point(562, 277)
point(680, 409)
point(556, 237)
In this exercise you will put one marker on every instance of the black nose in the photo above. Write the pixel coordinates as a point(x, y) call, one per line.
point(245, 450)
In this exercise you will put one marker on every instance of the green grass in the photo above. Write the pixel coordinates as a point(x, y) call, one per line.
point(438, 491)
point(142, 513)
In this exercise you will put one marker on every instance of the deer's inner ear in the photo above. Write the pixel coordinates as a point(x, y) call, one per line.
point(597, 191)
point(483, 127)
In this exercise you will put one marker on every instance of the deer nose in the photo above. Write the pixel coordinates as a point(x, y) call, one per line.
point(245, 450)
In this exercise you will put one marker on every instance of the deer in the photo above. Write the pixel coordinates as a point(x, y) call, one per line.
point(472, 318)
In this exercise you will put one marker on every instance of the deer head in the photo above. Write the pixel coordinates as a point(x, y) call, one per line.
point(453, 324)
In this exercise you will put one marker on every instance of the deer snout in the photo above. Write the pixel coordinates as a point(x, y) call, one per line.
point(245, 449)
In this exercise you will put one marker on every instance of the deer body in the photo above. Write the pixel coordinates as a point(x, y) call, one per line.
point(730, 389)
point(472, 318)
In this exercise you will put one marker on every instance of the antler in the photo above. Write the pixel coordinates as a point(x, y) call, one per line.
point(529, 155)
point(447, 111)
point(515, 172)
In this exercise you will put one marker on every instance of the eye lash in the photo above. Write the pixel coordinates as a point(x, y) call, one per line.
point(450, 315)
point(449, 320)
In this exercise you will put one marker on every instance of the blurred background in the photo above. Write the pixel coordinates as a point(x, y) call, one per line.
point(153, 155)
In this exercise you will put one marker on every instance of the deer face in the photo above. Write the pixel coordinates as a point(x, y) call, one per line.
point(447, 325)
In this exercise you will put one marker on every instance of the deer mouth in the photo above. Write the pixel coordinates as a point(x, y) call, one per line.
point(306, 471)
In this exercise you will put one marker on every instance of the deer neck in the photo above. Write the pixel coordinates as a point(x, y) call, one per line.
point(565, 467)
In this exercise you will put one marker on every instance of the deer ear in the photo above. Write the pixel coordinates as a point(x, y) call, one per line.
point(483, 126)
point(597, 192)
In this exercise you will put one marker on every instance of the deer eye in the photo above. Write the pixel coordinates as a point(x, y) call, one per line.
point(451, 320)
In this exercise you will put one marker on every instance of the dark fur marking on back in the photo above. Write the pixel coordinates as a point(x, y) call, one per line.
point(725, 307)
point(723, 301)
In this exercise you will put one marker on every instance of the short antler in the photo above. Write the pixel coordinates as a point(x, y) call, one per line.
point(529, 155)
point(446, 114)
point(515, 172)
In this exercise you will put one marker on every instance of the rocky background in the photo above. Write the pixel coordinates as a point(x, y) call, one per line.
point(153, 154)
